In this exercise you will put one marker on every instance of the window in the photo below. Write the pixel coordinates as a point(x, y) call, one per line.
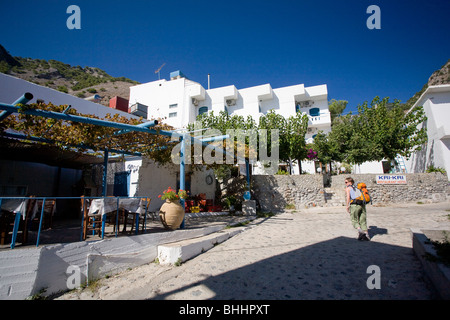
point(314, 112)
point(172, 115)
point(171, 106)
point(202, 110)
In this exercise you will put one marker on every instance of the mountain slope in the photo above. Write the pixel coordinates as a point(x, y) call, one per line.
point(441, 76)
point(78, 81)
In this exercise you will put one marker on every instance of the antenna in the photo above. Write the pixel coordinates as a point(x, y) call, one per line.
point(159, 69)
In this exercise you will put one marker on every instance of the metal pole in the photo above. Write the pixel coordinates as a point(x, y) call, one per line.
point(81, 119)
point(182, 174)
point(22, 100)
point(247, 169)
point(105, 173)
point(40, 222)
point(15, 229)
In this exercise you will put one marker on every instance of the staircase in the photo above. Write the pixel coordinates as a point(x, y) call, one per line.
point(334, 197)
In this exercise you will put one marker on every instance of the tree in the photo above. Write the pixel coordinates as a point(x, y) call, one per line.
point(379, 131)
point(392, 131)
point(291, 143)
point(273, 121)
point(296, 130)
point(336, 107)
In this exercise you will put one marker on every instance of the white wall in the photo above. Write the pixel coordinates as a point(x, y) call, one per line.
point(154, 179)
point(436, 103)
point(254, 101)
point(158, 95)
point(368, 167)
point(12, 88)
point(133, 165)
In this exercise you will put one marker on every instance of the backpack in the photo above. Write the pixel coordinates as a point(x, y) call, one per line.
point(362, 194)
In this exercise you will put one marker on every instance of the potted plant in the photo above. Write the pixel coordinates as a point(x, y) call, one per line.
point(171, 212)
point(229, 202)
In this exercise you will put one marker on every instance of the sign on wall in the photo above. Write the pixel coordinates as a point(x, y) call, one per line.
point(391, 179)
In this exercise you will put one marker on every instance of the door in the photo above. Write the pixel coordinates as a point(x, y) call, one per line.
point(122, 184)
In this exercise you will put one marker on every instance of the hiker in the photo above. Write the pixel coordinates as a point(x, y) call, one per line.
point(357, 212)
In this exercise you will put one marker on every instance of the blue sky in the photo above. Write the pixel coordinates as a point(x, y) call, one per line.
point(245, 43)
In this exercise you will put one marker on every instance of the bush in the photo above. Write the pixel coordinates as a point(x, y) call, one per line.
point(63, 89)
point(435, 169)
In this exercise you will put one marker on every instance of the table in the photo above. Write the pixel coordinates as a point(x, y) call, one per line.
point(15, 206)
point(107, 205)
point(19, 208)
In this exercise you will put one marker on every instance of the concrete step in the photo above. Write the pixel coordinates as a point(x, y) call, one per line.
point(180, 251)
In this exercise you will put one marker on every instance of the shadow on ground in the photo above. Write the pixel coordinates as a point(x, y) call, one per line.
point(333, 269)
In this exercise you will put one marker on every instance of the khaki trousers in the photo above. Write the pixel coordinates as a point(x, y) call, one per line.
point(358, 215)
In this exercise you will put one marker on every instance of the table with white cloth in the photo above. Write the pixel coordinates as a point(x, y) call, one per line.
point(17, 207)
point(107, 205)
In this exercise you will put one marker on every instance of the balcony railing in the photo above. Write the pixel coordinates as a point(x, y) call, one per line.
point(323, 118)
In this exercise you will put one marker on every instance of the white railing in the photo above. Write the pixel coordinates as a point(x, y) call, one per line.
point(322, 118)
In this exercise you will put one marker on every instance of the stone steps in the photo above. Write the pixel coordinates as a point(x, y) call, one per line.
point(334, 197)
point(180, 251)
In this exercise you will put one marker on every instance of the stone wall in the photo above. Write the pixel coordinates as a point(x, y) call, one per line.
point(418, 187)
point(274, 193)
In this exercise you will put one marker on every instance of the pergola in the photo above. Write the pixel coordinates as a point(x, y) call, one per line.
point(122, 128)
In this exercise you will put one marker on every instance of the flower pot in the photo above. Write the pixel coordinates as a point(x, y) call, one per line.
point(171, 214)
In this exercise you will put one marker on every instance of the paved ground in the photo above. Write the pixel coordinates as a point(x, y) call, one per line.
point(303, 254)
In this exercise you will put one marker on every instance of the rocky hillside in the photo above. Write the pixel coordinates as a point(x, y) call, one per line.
point(78, 81)
point(441, 76)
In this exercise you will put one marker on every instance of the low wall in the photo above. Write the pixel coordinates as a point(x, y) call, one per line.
point(418, 187)
point(25, 272)
point(274, 193)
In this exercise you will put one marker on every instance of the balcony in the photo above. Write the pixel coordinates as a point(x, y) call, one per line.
point(322, 119)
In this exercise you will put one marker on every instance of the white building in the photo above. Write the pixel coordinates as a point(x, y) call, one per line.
point(436, 103)
point(179, 101)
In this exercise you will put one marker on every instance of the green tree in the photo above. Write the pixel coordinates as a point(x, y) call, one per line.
point(381, 130)
point(273, 121)
point(296, 130)
point(336, 108)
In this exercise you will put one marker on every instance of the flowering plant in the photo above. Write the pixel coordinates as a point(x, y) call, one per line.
point(171, 194)
point(311, 154)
